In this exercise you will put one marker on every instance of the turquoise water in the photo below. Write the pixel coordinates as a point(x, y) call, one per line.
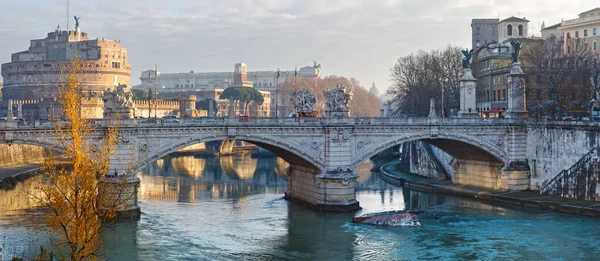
point(231, 208)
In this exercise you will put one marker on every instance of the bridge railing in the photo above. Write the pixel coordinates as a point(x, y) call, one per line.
point(220, 121)
point(579, 181)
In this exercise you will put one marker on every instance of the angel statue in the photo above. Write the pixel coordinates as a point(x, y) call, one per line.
point(516, 45)
point(77, 21)
point(467, 60)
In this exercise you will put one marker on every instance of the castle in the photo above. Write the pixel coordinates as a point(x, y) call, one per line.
point(32, 76)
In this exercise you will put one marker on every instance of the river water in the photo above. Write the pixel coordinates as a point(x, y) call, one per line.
point(231, 208)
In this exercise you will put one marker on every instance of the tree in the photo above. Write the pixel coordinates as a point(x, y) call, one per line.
point(419, 77)
point(73, 194)
point(139, 94)
point(559, 78)
point(245, 95)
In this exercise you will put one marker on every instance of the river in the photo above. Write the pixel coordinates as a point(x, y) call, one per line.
point(232, 208)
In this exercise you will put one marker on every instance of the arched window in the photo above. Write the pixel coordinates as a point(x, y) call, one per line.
point(520, 30)
point(509, 29)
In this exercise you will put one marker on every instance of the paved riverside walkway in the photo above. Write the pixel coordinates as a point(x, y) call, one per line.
point(11, 175)
point(10, 171)
point(527, 199)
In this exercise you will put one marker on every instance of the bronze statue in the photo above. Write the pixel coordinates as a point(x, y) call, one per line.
point(516, 50)
point(467, 60)
point(77, 21)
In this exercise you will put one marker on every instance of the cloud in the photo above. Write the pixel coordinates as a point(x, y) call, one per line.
point(353, 38)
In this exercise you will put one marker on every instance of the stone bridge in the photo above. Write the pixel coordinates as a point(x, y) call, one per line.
point(507, 154)
point(503, 154)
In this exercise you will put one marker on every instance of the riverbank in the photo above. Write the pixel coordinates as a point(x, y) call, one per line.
point(10, 176)
point(525, 199)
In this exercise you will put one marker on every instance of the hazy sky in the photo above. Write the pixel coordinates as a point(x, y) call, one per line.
point(352, 38)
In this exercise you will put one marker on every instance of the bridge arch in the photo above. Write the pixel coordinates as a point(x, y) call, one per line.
point(284, 149)
point(459, 146)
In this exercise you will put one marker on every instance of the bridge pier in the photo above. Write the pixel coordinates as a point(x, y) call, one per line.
point(122, 192)
point(490, 175)
point(331, 192)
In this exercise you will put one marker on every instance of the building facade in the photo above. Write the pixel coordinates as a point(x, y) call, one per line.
point(199, 83)
point(490, 66)
point(483, 32)
point(583, 31)
point(548, 31)
point(513, 27)
point(35, 73)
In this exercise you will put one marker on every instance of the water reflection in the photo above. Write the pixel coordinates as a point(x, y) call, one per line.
point(225, 176)
point(217, 208)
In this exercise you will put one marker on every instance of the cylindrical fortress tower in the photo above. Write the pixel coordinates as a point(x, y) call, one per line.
point(36, 72)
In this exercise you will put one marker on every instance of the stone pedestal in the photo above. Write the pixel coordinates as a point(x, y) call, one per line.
point(231, 110)
point(10, 117)
point(468, 98)
point(331, 192)
point(432, 113)
point(338, 114)
point(517, 104)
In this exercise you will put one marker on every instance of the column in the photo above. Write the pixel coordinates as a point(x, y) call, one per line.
point(517, 104)
point(468, 100)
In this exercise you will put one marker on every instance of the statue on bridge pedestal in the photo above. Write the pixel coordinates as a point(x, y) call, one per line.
point(516, 50)
point(305, 101)
point(118, 103)
point(336, 101)
point(467, 60)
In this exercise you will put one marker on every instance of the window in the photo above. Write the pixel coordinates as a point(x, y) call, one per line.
point(576, 34)
point(585, 32)
point(594, 31)
point(520, 30)
point(568, 35)
point(494, 96)
point(477, 28)
point(509, 29)
point(595, 46)
point(504, 95)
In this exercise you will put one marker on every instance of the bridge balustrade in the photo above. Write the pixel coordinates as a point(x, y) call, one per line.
point(193, 122)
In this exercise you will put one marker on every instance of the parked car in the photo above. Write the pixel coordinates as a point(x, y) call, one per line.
point(170, 119)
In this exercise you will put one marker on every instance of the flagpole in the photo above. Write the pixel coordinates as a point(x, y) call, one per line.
point(295, 77)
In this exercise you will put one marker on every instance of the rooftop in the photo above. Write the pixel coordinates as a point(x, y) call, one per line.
point(515, 19)
point(552, 27)
point(589, 11)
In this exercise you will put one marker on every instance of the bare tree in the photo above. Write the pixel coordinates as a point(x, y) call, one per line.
point(558, 74)
point(419, 77)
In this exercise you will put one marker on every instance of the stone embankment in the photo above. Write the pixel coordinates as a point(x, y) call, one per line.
point(19, 162)
point(524, 199)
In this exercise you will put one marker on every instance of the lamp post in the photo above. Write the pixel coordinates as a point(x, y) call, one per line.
point(277, 94)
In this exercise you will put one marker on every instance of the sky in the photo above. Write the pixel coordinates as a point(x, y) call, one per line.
point(352, 38)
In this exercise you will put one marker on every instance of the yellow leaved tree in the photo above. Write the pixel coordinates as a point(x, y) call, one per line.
point(77, 200)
